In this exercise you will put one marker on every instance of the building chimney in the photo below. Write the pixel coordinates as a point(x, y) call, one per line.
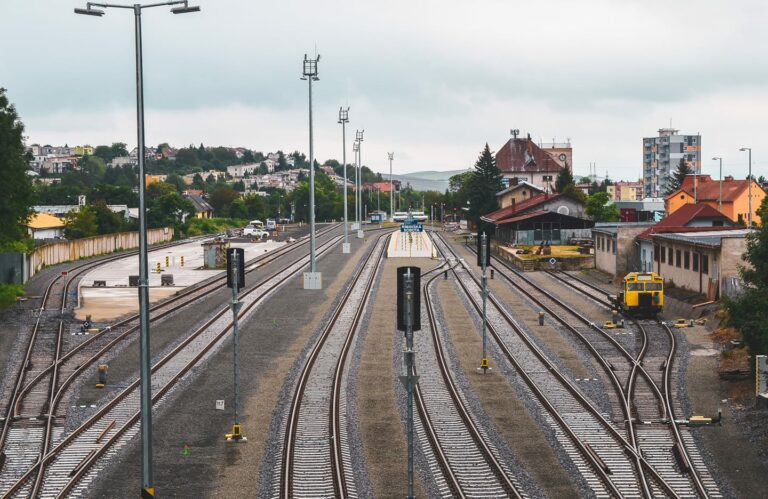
point(728, 178)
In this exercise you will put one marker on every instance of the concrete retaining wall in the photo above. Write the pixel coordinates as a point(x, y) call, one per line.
point(63, 251)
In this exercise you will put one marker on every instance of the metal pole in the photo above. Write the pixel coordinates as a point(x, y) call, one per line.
point(409, 365)
point(355, 148)
point(720, 199)
point(144, 354)
point(235, 337)
point(360, 184)
point(391, 156)
point(343, 119)
point(312, 267)
point(483, 256)
point(749, 223)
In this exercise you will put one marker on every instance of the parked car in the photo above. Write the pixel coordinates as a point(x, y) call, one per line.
point(255, 233)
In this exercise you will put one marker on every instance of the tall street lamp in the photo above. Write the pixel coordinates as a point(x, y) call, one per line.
point(749, 177)
point(355, 149)
point(359, 139)
point(391, 156)
point(344, 119)
point(720, 198)
point(313, 278)
point(148, 488)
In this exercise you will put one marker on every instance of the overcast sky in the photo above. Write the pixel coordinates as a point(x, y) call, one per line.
point(430, 80)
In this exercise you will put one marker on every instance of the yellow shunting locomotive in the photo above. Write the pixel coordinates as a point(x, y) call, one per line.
point(642, 294)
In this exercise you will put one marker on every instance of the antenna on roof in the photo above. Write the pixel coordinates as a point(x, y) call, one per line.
point(514, 132)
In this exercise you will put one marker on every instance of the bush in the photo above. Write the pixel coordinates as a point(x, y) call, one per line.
point(200, 226)
point(9, 293)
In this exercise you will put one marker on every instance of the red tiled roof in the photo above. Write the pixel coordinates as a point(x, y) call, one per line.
point(708, 189)
point(517, 208)
point(523, 156)
point(679, 219)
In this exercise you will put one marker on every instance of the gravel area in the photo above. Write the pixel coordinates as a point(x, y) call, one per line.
point(381, 427)
point(213, 467)
point(493, 405)
point(268, 471)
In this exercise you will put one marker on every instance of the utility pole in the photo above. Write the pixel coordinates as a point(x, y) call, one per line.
point(720, 197)
point(391, 156)
point(749, 176)
point(483, 256)
point(312, 279)
point(344, 119)
point(359, 139)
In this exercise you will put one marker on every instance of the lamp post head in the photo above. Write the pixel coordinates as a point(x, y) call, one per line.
point(343, 115)
point(186, 9)
point(90, 12)
point(391, 155)
point(745, 149)
point(359, 135)
point(310, 68)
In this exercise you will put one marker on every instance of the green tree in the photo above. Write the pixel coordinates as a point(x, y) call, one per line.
point(484, 183)
point(585, 180)
point(80, 223)
point(107, 221)
point(221, 199)
point(263, 170)
point(748, 312)
point(599, 210)
point(16, 192)
point(239, 186)
point(564, 178)
point(256, 207)
point(177, 181)
point(677, 178)
point(92, 169)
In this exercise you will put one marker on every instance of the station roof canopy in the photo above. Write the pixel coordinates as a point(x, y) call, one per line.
point(532, 220)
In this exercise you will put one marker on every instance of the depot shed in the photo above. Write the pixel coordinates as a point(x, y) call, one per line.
point(539, 226)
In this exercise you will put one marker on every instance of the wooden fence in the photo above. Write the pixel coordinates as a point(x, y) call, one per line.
point(63, 251)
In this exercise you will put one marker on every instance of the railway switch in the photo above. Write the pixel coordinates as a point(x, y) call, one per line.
point(236, 435)
point(103, 368)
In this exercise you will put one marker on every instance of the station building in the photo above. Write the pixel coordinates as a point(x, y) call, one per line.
point(615, 246)
point(703, 261)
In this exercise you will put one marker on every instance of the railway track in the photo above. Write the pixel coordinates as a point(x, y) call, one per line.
point(470, 460)
point(30, 406)
point(74, 461)
point(659, 344)
point(55, 376)
point(603, 452)
point(316, 461)
point(644, 393)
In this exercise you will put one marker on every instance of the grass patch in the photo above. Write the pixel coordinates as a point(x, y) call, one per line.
point(9, 293)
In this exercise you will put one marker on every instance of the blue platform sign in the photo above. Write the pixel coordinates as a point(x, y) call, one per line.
point(411, 226)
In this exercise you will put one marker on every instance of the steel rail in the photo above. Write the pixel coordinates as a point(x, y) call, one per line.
point(49, 456)
point(628, 447)
point(489, 456)
point(288, 457)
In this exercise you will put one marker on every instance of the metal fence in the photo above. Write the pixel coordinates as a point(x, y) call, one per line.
point(12, 268)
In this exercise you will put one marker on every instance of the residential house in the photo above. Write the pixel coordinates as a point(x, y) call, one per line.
point(203, 209)
point(625, 191)
point(241, 171)
point(122, 161)
point(44, 226)
point(523, 160)
point(518, 192)
point(735, 196)
point(83, 151)
point(59, 164)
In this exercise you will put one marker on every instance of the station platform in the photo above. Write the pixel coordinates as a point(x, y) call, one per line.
point(113, 297)
point(410, 245)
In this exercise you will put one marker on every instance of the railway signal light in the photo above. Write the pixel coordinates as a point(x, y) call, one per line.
point(240, 269)
point(483, 257)
point(401, 297)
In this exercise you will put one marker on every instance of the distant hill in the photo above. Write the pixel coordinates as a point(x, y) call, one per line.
point(425, 181)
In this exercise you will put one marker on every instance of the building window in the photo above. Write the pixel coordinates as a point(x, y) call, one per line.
point(705, 264)
point(687, 260)
point(671, 256)
point(656, 252)
point(695, 262)
point(663, 252)
point(614, 247)
point(678, 259)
